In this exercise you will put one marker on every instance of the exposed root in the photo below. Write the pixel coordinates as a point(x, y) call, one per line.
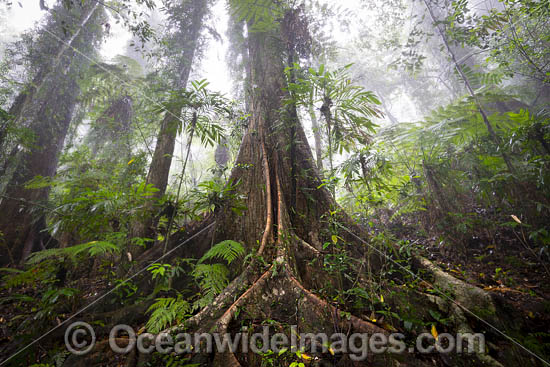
point(280, 210)
point(464, 302)
point(219, 303)
point(282, 220)
point(318, 307)
point(312, 251)
point(258, 287)
point(268, 232)
point(224, 321)
point(466, 295)
point(228, 358)
point(462, 326)
point(357, 323)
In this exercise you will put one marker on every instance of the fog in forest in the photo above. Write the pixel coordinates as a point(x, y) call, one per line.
point(365, 169)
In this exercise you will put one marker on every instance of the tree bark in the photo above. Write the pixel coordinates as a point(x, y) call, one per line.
point(26, 97)
point(49, 114)
point(17, 221)
point(317, 137)
point(159, 170)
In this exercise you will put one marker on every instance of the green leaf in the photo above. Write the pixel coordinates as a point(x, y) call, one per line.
point(227, 250)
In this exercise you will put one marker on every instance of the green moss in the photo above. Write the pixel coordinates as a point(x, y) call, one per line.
point(514, 261)
point(483, 312)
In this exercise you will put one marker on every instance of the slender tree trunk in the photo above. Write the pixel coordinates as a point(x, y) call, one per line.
point(317, 138)
point(187, 155)
point(159, 170)
point(325, 110)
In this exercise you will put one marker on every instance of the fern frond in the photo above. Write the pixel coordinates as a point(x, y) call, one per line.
point(94, 248)
point(212, 277)
point(226, 250)
point(166, 311)
point(212, 280)
point(36, 274)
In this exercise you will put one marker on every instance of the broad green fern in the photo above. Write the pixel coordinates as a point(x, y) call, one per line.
point(226, 250)
point(212, 280)
point(166, 311)
point(93, 248)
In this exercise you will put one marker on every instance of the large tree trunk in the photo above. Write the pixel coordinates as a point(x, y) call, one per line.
point(284, 225)
point(48, 115)
point(18, 203)
point(277, 174)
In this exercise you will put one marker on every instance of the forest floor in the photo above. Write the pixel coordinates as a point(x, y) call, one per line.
point(508, 269)
point(501, 265)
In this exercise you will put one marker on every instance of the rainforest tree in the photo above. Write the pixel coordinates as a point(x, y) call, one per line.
point(181, 50)
point(272, 245)
point(64, 48)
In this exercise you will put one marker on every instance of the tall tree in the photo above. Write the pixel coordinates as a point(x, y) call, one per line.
point(187, 18)
point(276, 172)
point(48, 56)
point(65, 46)
point(181, 48)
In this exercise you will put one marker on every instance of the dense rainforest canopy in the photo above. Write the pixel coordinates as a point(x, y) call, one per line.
point(369, 178)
